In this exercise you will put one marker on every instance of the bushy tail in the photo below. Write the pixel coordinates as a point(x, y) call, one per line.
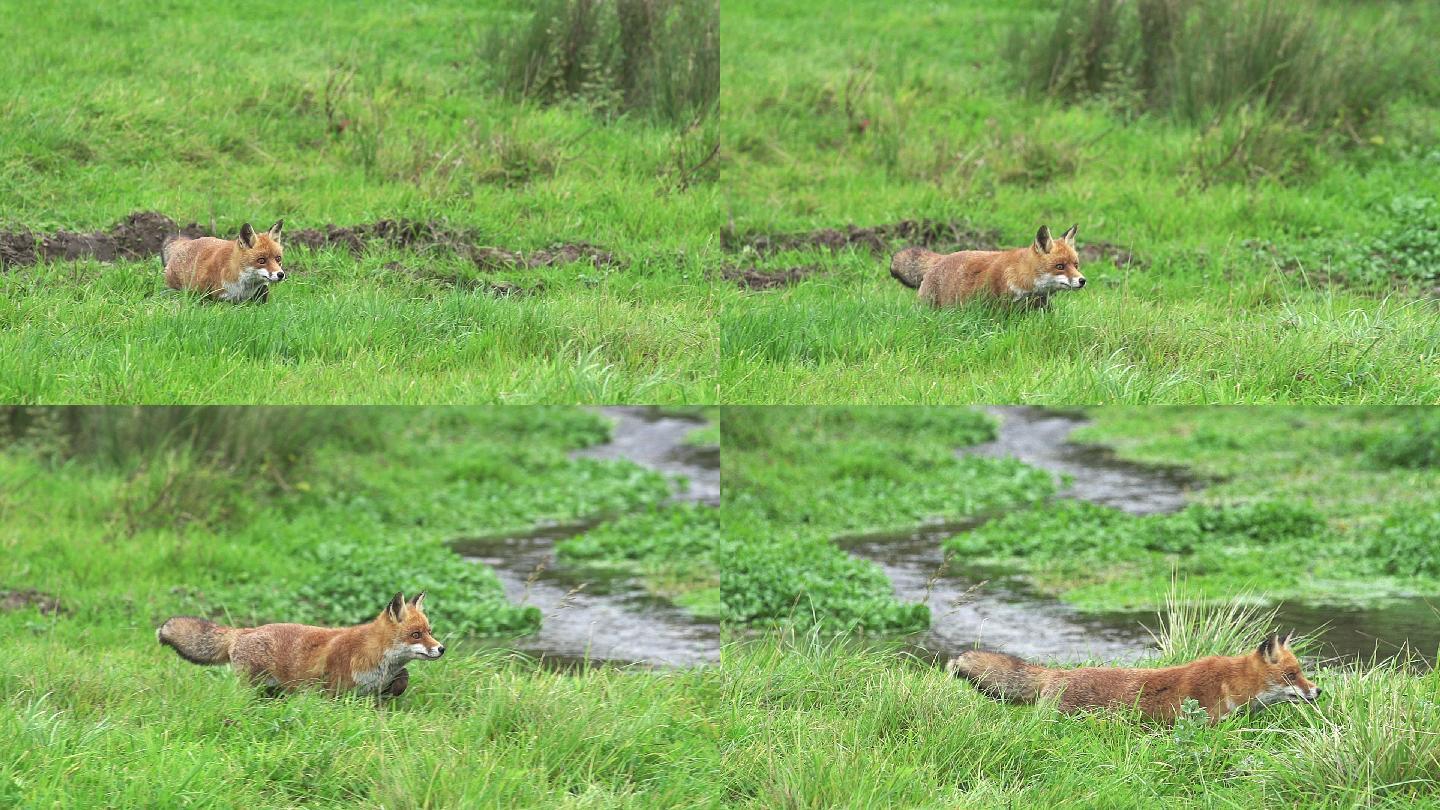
point(998, 675)
point(909, 265)
point(198, 641)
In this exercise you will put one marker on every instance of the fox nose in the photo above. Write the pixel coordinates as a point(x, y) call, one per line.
point(439, 650)
point(279, 275)
point(1080, 282)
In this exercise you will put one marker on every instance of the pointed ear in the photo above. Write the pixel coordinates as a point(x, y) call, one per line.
point(275, 229)
point(1069, 236)
point(247, 235)
point(1269, 649)
point(417, 599)
point(1043, 242)
point(396, 609)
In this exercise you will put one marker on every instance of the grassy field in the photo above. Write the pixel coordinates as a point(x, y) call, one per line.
point(1240, 257)
point(350, 114)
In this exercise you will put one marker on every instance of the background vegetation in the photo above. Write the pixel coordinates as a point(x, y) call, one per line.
point(1259, 229)
point(797, 478)
point(350, 114)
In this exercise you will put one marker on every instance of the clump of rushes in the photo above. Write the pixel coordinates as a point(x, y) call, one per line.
point(1194, 59)
point(659, 58)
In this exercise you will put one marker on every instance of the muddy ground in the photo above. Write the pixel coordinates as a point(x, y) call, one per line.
point(138, 237)
point(30, 598)
point(940, 236)
point(753, 278)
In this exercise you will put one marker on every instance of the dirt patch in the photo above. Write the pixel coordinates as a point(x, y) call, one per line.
point(17, 248)
point(499, 289)
point(936, 235)
point(139, 236)
point(752, 278)
point(877, 239)
point(489, 258)
point(28, 598)
point(1118, 255)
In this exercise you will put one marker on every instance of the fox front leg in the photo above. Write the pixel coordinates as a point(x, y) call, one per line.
point(398, 684)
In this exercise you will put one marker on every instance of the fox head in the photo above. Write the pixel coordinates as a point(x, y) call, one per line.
point(1059, 263)
point(409, 629)
point(260, 253)
point(1280, 673)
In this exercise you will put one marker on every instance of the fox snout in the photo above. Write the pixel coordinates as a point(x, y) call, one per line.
point(1077, 282)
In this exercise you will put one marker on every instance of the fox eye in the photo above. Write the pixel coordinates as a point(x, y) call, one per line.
point(415, 634)
point(1291, 676)
point(1060, 267)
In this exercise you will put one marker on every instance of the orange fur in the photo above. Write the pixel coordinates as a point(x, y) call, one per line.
point(226, 270)
point(1028, 274)
point(1221, 684)
point(368, 658)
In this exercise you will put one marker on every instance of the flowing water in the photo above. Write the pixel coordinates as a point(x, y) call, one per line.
point(995, 608)
point(594, 618)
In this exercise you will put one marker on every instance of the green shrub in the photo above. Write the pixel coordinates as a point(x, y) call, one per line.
point(462, 598)
point(811, 584)
point(1077, 528)
point(1408, 544)
point(1417, 445)
point(688, 533)
point(660, 57)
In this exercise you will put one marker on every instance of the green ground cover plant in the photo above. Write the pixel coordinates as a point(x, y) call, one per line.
point(797, 478)
point(676, 550)
point(1298, 503)
point(374, 114)
point(1245, 244)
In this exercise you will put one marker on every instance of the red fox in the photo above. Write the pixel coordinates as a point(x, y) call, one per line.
point(1220, 683)
point(237, 271)
point(1025, 275)
point(368, 659)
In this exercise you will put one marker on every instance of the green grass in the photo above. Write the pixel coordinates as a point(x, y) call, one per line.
point(92, 706)
point(1258, 278)
point(345, 114)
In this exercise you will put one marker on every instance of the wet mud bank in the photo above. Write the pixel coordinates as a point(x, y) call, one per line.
point(138, 237)
point(592, 618)
point(996, 609)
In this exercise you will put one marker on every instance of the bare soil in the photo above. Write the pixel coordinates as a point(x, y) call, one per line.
point(138, 237)
point(28, 598)
point(752, 278)
point(933, 234)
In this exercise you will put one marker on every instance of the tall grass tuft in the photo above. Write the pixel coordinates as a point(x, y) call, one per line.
point(1190, 628)
point(1199, 59)
point(1378, 737)
point(230, 438)
point(654, 57)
